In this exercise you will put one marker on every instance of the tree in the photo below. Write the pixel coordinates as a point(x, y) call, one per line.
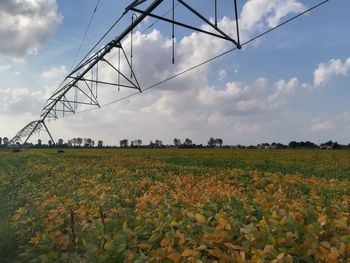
point(219, 141)
point(60, 142)
point(79, 141)
point(293, 144)
point(5, 141)
point(124, 143)
point(100, 144)
point(211, 142)
point(159, 143)
point(87, 142)
point(0, 141)
point(50, 143)
point(74, 141)
point(39, 142)
point(188, 142)
point(137, 142)
point(177, 142)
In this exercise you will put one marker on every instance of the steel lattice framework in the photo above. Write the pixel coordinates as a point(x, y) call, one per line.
point(30, 129)
point(80, 87)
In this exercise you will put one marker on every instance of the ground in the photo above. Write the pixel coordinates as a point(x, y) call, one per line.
point(175, 205)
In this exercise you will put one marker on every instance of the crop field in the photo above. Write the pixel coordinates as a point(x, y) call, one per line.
point(175, 205)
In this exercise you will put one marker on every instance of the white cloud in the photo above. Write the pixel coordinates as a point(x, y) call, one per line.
point(257, 15)
point(4, 67)
point(257, 97)
point(25, 25)
point(55, 73)
point(20, 101)
point(333, 68)
point(283, 87)
point(319, 124)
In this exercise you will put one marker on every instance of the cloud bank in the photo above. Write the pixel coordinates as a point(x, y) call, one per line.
point(26, 25)
point(333, 68)
point(188, 106)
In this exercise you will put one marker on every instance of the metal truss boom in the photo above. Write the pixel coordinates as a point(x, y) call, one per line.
point(29, 130)
point(114, 43)
point(78, 81)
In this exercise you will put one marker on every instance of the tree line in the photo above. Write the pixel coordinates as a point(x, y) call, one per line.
point(177, 142)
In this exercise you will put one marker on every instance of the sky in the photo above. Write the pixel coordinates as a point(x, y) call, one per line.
point(291, 84)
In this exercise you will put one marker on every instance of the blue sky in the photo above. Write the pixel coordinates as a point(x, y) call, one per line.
point(292, 84)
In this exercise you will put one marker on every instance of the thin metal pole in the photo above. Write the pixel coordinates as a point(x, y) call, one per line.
point(237, 26)
point(119, 69)
point(96, 86)
point(53, 141)
point(131, 42)
point(173, 36)
point(216, 13)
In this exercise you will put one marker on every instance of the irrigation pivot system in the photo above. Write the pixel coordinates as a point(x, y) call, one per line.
point(80, 87)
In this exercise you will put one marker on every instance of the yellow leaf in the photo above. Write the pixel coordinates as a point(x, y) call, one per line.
point(173, 223)
point(187, 253)
point(242, 254)
point(142, 246)
point(334, 253)
point(341, 223)
point(200, 219)
point(268, 249)
point(222, 220)
point(270, 187)
point(216, 252)
point(322, 220)
point(189, 214)
point(131, 257)
point(181, 237)
point(290, 235)
point(176, 257)
point(342, 248)
point(165, 242)
point(201, 248)
point(36, 239)
point(61, 240)
point(108, 246)
point(288, 259)
point(283, 221)
point(179, 234)
point(324, 251)
point(280, 256)
point(274, 214)
point(223, 224)
point(262, 222)
point(326, 244)
point(232, 247)
point(127, 231)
